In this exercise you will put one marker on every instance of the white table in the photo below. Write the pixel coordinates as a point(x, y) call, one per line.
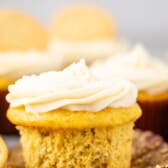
point(11, 140)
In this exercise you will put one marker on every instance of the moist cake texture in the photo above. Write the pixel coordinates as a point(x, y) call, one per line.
point(88, 148)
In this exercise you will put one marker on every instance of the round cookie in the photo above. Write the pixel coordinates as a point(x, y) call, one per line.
point(20, 32)
point(83, 23)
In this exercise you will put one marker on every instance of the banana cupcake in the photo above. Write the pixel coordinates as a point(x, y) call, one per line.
point(84, 32)
point(3, 153)
point(150, 75)
point(22, 51)
point(69, 119)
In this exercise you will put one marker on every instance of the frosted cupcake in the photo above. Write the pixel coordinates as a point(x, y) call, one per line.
point(3, 153)
point(150, 76)
point(69, 119)
point(22, 44)
point(84, 32)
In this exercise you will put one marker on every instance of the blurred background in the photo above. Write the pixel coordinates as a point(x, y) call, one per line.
point(138, 21)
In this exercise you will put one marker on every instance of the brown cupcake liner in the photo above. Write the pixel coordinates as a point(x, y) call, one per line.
point(154, 117)
point(5, 126)
point(149, 150)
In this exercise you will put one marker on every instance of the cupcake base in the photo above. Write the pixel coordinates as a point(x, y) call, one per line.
point(148, 150)
point(6, 127)
point(86, 148)
point(155, 116)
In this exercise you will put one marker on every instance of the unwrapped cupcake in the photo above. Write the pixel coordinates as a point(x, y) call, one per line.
point(150, 75)
point(69, 119)
point(83, 31)
point(22, 51)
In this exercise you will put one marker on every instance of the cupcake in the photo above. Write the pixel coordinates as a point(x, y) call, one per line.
point(150, 75)
point(69, 119)
point(22, 51)
point(84, 32)
point(3, 153)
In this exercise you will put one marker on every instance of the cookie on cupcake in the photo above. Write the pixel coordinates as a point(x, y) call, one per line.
point(84, 31)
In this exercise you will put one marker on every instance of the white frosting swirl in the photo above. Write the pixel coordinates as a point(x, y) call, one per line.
point(15, 64)
point(146, 72)
point(89, 50)
point(74, 89)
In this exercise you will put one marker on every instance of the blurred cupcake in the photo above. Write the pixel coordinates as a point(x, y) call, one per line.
point(3, 153)
point(22, 51)
point(78, 123)
point(150, 75)
point(84, 32)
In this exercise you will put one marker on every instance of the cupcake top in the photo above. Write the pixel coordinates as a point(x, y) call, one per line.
point(73, 89)
point(15, 64)
point(146, 72)
point(84, 32)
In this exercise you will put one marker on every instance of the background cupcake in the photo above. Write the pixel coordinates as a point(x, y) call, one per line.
point(151, 78)
point(84, 32)
point(22, 51)
point(3, 153)
point(78, 123)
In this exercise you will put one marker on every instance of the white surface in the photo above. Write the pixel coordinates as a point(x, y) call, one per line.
point(11, 140)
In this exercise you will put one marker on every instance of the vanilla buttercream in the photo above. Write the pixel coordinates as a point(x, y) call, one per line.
point(146, 72)
point(88, 50)
point(74, 89)
point(14, 64)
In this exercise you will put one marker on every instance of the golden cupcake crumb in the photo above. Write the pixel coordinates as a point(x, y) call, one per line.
point(88, 148)
point(63, 138)
point(57, 119)
point(149, 150)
